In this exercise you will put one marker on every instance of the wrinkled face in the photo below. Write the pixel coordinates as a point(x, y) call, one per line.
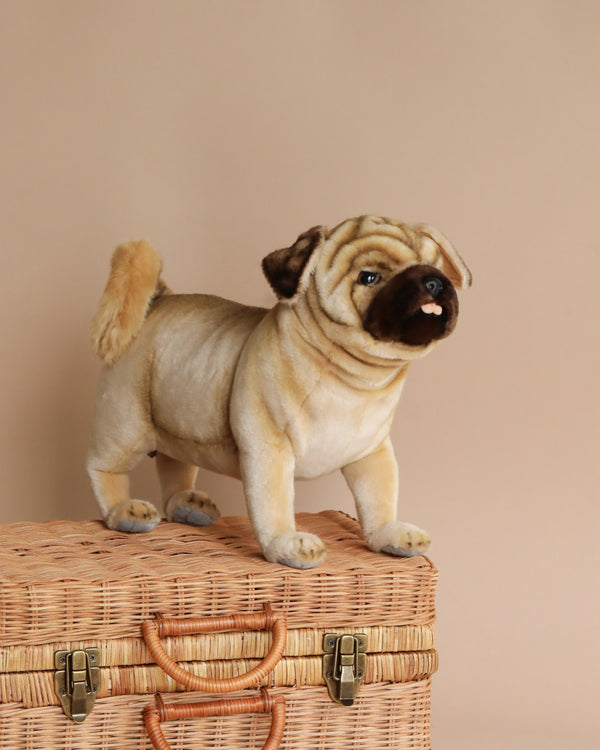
point(382, 284)
point(386, 278)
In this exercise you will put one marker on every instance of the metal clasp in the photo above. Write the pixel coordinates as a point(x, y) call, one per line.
point(77, 681)
point(344, 665)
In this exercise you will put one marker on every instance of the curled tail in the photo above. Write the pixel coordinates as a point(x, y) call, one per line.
point(133, 283)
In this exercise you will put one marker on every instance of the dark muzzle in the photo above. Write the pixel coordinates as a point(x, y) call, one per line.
point(416, 307)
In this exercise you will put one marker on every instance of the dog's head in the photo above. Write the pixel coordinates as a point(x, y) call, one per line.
point(385, 282)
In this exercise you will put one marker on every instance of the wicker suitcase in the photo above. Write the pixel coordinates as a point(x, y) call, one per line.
point(286, 645)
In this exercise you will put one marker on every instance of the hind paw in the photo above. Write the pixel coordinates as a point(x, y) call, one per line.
point(191, 507)
point(133, 516)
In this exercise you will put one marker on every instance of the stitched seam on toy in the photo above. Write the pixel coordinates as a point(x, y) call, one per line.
point(193, 441)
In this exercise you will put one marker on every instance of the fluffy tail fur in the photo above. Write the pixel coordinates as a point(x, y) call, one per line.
point(133, 283)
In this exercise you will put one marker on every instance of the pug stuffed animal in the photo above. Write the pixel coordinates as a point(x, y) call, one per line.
point(268, 396)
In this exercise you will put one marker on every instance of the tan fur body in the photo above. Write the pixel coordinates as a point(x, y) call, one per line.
point(268, 396)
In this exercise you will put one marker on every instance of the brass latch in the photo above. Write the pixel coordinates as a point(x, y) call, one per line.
point(344, 665)
point(77, 681)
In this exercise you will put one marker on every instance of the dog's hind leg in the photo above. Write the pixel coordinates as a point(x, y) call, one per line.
point(183, 504)
point(120, 512)
point(122, 435)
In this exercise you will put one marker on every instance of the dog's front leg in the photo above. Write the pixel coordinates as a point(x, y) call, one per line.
point(373, 481)
point(268, 478)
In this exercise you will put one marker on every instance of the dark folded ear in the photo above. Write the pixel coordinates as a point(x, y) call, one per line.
point(287, 270)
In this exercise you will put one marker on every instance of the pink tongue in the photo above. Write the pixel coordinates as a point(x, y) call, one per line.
point(432, 307)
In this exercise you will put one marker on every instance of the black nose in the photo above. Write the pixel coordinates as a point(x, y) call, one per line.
point(433, 285)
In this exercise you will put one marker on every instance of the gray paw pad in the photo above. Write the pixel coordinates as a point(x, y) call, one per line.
point(135, 527)
point(400, 552)
point(291, 563)
point(191, 516)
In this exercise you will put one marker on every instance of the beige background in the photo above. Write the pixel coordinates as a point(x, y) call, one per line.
point(221, 130)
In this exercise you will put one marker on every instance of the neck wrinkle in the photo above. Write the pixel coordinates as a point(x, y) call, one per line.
point(352, 365)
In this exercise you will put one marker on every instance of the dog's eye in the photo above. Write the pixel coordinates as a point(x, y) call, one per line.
point(368, 278)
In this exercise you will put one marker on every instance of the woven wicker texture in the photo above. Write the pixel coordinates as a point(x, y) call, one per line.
point(196, 648)
point(80, 580)
point(36, 689)
point(384, 717)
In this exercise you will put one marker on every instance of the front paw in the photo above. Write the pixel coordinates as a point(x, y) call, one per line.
point(133, 516)
point(400, 539)
point(297, 549)
point(191, 507)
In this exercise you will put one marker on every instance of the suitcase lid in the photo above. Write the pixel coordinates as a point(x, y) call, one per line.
point(82, 581)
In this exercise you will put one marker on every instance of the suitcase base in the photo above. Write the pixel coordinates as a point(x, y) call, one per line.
point(385, 716)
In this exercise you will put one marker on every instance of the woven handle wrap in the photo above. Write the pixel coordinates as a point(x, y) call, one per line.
point(153, 716)
point(154, 630)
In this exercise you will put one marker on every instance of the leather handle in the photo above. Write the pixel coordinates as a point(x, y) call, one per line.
point(155, 715)
point(154, 630)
